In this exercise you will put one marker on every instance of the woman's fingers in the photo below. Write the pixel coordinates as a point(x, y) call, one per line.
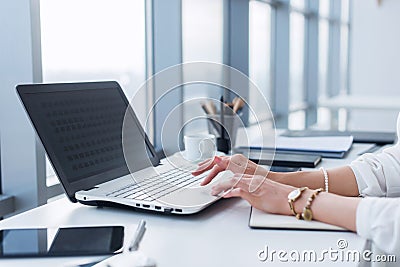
point(240, 164)
point(214, 172)
point(220, 164)
point(223, 186)
point(214, 159)
point(237, 181)
point(210, 163)
point(238, 192)
point(237, 164)
point(247, 183)
point(204, 166)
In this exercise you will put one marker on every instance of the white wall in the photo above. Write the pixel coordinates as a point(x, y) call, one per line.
point(375, 58)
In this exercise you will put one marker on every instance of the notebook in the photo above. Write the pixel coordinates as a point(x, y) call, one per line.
point(262, 220)
point(379, 138)
point(326, 146)
point(280, 158)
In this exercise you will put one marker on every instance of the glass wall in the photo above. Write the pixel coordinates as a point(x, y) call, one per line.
point(202, 40)
point(344, 46)
point(260, 55)
point(296, 63)
point(296, 66)
point(93, 40)
point(323, 56)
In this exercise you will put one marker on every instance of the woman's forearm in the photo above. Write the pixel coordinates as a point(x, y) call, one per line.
point(271, 196)
point(332, 209)
point(342, 181)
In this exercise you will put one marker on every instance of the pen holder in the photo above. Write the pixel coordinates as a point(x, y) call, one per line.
point(231, 125)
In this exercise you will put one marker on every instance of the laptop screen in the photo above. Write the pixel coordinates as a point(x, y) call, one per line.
point(81, 126)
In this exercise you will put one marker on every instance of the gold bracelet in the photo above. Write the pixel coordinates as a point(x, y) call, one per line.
point(292, 197)
point(307, 214)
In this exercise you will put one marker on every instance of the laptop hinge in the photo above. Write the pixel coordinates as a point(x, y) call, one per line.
point(94, 187)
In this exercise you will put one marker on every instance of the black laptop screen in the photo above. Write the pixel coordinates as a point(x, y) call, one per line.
point(82, 132)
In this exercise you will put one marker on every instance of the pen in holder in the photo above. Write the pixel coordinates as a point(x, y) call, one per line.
point(224, 124)
point(230, 124)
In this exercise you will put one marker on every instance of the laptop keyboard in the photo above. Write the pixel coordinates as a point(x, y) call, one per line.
point(158, 185)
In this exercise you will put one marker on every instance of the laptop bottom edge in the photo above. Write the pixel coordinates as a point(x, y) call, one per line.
point(154, 206)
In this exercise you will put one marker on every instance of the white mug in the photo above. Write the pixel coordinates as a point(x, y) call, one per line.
point(199, 146)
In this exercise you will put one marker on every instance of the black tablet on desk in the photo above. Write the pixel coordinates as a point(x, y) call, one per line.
point(61, 242)
point(280, 158)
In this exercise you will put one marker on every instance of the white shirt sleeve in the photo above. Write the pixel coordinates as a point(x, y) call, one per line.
point(379, 174)
point(378, 219)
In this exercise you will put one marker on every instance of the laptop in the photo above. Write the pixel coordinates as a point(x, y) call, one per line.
point(101, 154)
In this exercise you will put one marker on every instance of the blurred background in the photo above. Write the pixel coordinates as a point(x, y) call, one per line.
point(327, 64)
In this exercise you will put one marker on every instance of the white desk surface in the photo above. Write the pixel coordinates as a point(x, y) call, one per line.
point(361, 102)
point(217, 236)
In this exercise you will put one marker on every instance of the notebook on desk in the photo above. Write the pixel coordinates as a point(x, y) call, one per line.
point(379, 138)
point(325, 146)
point(282, 159)
point(262, 220)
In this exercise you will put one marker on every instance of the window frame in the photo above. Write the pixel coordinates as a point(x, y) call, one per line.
point(280, 50)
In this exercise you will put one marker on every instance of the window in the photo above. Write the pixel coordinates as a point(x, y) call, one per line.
point(334, 31)
point(344, 46)
point(107, 45)
point(323, 43)
point(297, 46)
point(260, 61)
point(297, 71)
point(202, 40)
point(304, 42)
point(298, 4)
point(202, 30)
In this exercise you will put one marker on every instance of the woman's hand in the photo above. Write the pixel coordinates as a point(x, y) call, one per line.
point(237, 164)
point(261, 192)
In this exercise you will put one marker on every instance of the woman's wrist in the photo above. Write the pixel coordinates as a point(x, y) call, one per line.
point(259, 170)
point(325, 207)
point(276, 176)
point(288, 178)
point(302, 201)
point(298, 204)
point(284, 202)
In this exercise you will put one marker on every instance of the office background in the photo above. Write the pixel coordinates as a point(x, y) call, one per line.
point(296, 51)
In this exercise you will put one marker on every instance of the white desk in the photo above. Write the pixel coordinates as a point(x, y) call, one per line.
point(358, 102)
point(218, 236)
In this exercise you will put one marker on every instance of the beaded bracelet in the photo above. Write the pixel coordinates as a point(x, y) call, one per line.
point(307, 214)
point(326, 179)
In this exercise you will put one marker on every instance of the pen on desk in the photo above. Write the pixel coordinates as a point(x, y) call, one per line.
point(138, 236)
